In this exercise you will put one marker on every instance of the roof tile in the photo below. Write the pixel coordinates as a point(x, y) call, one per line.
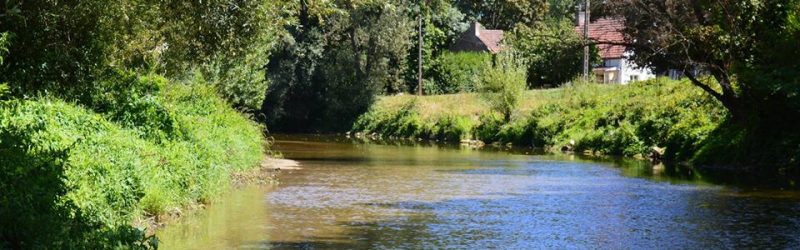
point(606, 30)
point(492, 39)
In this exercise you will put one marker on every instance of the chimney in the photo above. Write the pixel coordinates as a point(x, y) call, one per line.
point(580, 15)
point(475, 28)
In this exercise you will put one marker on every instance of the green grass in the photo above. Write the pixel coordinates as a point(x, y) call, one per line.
point(623, 120)
point(467, 104)
point(73, 177)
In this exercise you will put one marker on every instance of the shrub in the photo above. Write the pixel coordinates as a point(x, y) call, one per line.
point(67, 174)
point(623, 120)
point(457, 72)
point(242, 82)
point(502, 84)
point(489, 127)
point(404, 122)
point(553, 51)
point(135, 102)
point(453, 128)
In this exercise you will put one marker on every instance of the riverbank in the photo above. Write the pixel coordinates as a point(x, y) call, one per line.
point(265, 174)
point(660, 118)
point(78, 175)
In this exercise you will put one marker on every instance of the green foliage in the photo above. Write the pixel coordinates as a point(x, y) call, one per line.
point(69, 177)
point(748, 48)
point(744, 54)
point(457, 72)
point(504, 14)
point(227, 41)
point(406, 122)
point(553, 51)
point(88, 143)
point(443, 23)
point(760, 151)
point(3, 90)
point(629, 120)
point(4, 42)
point(134, 102)
point(242, 82)
point(502, 84)
point(453, 128)
point(63, 47)
point(76, 178)
point(56, 43)
point(604, 119)
point(330, 68)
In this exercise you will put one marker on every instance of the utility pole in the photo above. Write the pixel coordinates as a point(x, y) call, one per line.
point(419, 51)
point(586, 22)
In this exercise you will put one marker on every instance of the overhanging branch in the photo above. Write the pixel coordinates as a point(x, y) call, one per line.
point(703, 86)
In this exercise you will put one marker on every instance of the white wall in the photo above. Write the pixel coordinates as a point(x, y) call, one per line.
point(630, 69)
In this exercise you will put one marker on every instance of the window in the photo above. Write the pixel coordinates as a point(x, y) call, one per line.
point(634, 78)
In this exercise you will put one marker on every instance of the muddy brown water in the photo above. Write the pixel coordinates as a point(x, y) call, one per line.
point(351, 195)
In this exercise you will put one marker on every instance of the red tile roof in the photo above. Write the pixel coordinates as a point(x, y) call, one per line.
point(492, 39)
point(476, 38)
point(606, 30)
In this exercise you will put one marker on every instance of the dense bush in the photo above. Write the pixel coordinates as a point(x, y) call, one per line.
point(604, 119)
point(502, 84)
point(135, 102)
point(406, 122)
point(553, 51)
point(457, 72)
point(73, 177)
point(242, 82)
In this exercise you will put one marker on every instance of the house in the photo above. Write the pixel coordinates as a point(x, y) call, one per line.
point(478, 39)
point(615, 67)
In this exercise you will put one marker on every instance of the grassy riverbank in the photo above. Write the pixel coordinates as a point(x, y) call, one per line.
point(602, 119)
point(77, 175)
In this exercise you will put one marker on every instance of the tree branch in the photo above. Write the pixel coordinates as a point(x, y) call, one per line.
point(703, 86)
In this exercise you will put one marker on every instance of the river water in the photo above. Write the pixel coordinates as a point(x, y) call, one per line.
point(352, 195)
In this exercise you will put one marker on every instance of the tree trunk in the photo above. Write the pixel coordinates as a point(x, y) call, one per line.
point(734, 103)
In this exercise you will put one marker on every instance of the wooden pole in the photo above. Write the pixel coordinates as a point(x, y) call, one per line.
point(586, 22)
point(419, 50)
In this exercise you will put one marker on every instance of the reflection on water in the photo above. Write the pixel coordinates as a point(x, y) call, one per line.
point(354, 195)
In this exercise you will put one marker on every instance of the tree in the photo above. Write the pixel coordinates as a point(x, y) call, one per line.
point(66, 46)
point(504, 14)
point(566, 9)
point(552, 49)
point(333, 62)
point(748, 48)
point(455, 72)
point(502, 84)
point(56, 44)
point(442, 25)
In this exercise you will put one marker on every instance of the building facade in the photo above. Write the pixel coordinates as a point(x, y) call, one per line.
point(615, 68)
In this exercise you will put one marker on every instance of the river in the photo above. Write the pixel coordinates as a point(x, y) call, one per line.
point(352, 195)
